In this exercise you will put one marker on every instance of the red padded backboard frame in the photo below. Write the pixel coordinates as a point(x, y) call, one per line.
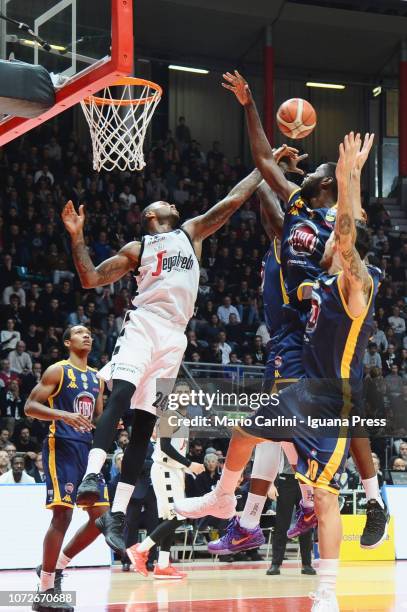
point(89, 81)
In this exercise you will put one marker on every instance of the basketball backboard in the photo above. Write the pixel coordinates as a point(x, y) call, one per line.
point(91, 46)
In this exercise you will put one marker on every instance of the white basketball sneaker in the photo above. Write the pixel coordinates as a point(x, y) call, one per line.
point(324, 601)
point(214, 503)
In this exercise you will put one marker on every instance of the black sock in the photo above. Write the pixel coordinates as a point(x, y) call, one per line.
point(116, 406)
point(136, 450)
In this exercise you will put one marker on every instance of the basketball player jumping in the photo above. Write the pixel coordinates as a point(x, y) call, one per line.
point(343, 307)
point(74, 396)
point(152, 341)
point(308, 222)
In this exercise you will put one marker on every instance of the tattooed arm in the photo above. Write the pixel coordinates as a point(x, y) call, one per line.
point(355, 280)
point(207, 224)
point(110, 270)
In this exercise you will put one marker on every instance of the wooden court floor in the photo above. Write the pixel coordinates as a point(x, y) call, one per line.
point(235, 587)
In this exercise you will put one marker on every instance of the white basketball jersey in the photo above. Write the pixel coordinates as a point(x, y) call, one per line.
point(179, 441)
point(168, 276)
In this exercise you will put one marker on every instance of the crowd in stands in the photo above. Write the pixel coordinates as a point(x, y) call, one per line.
point(40, 294)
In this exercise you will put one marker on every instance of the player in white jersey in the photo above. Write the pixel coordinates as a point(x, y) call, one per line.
point(168, 478)
point(152, 341)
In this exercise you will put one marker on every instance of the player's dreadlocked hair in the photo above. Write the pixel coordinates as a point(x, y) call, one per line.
point(330, 171)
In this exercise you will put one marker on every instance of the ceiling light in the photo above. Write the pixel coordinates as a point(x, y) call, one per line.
point(33, 43)
point(325, 85)
point(376, 91)
point(188, 69)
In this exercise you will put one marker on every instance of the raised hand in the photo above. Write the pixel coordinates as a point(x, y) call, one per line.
point(239, 86)
point(348, 150)
point(363, 154)
point(72, 220)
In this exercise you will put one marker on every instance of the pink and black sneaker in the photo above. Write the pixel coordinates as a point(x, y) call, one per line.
point(305, 520)
point(237, 539)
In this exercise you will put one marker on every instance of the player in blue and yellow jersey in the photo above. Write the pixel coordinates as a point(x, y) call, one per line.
point(343, 302)
point(308, 222)
point(70, 396)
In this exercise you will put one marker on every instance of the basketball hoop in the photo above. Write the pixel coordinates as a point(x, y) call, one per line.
point(118, 125)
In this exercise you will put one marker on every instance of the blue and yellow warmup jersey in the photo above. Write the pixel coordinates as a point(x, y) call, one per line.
point(334, 341)
point(273, 289)
point(305, 232)
point(77, 392)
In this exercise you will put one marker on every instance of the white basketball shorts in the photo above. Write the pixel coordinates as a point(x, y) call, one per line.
point(169, 484)
point(149, 349)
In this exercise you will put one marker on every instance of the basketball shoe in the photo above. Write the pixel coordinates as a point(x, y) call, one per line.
point(305, 519)
point(324, 601)
point(377, 520)
point(237, 539)
point(219, 505)
point(111, 524)
point(139, 559)
point(168, 573)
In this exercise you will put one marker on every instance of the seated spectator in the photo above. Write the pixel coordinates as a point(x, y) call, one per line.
point(15, 289)
point(224, 347)
point(58, 265)
point(192, 345)
point(389, 358)
point(372, 358)
point(235, 330)
point(226, 310)
point(9, 337)
point(213, 354)
point(17, 473)
point(4, 437)
point(196, 451)
point(53, 356)
point(4, 462)
point(33, 342)
point(262, 331)
point(54, 316)
point(259, 353)
point(78, 317)
point(397, 322)
point(19, 359)
point(398, 465)
point(205, 482)
point(12, 407)
point(37, 472)
point(51, 340)
point(379, 337)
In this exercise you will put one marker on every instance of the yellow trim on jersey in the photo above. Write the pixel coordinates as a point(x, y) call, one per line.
point(299, 289)
point(53, 473)
point(49, 506)
point(275, 251)
point(61, 380)
point(292, 195)
point(344, 304)
point(80, 369)
point(283, 291)
point(316, 484)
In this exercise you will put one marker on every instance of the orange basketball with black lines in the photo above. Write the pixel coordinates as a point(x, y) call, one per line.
point(296, 118)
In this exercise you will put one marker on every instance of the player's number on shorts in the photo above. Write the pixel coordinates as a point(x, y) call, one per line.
point(312, 469)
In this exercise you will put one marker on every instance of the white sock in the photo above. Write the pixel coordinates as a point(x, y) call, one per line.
point(252, 511)
point(146, 544)
point(96, 459)
point(163, 559)
point(47, 580)
point(328, 573)
point(228, 482)
point(307, 493)
point(371, 487)
point(122, 497)
point(63, 561)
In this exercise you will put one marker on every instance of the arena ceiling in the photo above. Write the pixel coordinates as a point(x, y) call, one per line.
point(356, 40)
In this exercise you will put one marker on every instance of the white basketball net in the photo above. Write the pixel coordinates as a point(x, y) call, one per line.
point(118, 126)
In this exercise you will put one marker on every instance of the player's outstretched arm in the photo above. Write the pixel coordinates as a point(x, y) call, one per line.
point(356, 172)
point(259, 144)
point(207, 224)
point(35, 405)
point(357, 283)
point(110, 270)
point(272, 217)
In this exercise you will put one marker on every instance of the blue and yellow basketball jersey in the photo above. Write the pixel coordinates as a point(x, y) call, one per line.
point(77, 392)
point(334, 341)
point(305, 232)
point(273, 289)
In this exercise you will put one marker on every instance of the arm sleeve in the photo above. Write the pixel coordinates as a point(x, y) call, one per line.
point(172, 453)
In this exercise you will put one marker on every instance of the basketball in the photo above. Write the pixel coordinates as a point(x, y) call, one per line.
point(296, 118)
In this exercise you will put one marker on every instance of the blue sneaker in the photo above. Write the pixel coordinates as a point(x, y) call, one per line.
point(237, 539)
